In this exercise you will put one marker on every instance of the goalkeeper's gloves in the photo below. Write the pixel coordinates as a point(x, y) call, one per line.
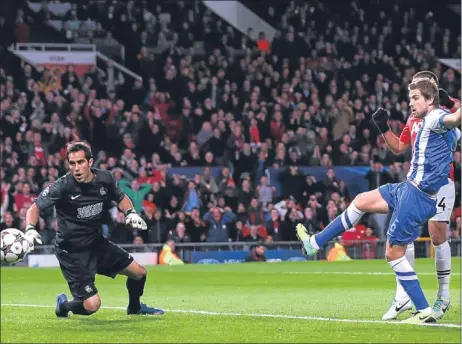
point(32, 236)
point(380, 118)
point(134, 220)
point(444, 99)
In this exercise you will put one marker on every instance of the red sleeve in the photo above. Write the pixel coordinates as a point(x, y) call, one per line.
point(405, 136)
point(455, 100)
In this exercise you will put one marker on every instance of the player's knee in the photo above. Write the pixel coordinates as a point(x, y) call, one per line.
point(394, 252)
point(137, 272)
point(437, 232)
point(388, 256)
point(437, 239)
point(92, 304)
point(360, 201)
point(142, 272)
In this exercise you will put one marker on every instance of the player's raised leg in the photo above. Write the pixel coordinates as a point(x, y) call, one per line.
point(136, 279)
point(371, 201)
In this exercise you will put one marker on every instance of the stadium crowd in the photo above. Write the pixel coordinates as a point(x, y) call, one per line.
point(307, 99)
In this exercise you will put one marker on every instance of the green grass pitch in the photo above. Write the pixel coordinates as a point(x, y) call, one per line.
point(274, 302)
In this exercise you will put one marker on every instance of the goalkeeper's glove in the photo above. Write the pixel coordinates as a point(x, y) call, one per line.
point(380, 118)
point(32, 236)
point(134, 220)
point(444, 99)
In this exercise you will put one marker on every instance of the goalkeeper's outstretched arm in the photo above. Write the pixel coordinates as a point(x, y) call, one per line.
point(132, 218)
point(32, 218)
point(32, 215)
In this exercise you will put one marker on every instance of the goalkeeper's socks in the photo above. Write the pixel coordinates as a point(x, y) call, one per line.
point(76, 307)
point(443, 269)
point(135, 291)
point(408, 279)
point(348, 219)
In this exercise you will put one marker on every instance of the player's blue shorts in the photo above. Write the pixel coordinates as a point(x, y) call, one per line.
point(410, 208)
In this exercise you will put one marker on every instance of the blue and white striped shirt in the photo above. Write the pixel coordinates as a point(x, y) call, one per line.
point(433, 152)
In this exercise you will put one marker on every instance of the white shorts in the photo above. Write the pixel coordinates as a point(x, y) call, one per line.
point(445, 202)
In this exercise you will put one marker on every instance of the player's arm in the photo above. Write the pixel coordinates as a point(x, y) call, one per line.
point(46, 199)
point(125, 204)
point(397, 145)
point(452, 104)
point(450, 120)
point(132, 218)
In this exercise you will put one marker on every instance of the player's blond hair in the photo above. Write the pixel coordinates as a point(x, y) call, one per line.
point(427, 87)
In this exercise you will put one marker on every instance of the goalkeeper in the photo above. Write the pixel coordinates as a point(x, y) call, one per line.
point(81, 198)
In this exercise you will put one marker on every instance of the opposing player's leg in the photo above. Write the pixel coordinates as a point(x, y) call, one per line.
point(437, 227)
point(79, 270)
point(114, 260)
point(437, 231)
point(367, 202)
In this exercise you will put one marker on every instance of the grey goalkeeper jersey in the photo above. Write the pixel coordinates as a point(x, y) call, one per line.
point(80, 208)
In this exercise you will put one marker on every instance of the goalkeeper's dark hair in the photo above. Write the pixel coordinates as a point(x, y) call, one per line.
point(426, 74)
point(79, 146)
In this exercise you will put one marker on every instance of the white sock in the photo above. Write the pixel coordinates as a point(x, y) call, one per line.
point(443, 268)
point(313, 243)
point(353, 215)
point(401, 294)
point(346, 220)
point(410, 282)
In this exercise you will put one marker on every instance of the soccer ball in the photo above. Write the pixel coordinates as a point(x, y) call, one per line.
point(14, 245)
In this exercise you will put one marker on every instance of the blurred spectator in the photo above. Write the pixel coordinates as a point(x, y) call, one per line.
point(157, 228)
point(369, 244)
point(135, 191)
point(179, 234)
point(219, 225)
point(257, 254)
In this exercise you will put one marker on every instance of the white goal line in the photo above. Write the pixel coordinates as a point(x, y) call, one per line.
point(358, 273)
point(259, 315)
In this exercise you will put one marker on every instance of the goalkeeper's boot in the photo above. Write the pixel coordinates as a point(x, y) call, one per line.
point(61, 299)
point(440, 307)
point(425, 316)
point(396, 308)
point(145, 310)
point(304, 237)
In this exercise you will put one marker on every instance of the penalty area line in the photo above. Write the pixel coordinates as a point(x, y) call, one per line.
point(258, 315)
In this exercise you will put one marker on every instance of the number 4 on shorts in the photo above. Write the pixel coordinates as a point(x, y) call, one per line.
point(442, 204)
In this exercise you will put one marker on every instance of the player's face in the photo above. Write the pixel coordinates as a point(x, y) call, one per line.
point(418, 104)
point(80, 166)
